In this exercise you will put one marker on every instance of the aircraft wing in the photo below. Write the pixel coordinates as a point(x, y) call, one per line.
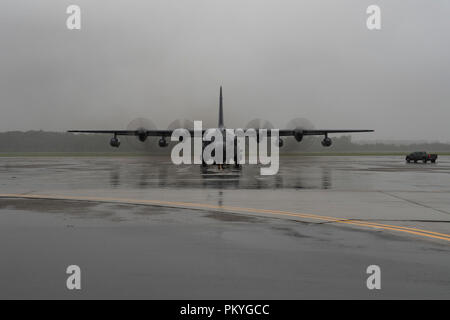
point(306, 132)
point(149, 133)
point(167, 133)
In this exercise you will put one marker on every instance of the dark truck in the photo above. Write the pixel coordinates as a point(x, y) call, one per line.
point(421, 156)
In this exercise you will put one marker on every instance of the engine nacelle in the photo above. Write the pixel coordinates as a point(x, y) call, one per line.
point(115, 142)
point(280, 143)
point(298, 135)
point(142, 135)
point(163, 143)
point(326, 142)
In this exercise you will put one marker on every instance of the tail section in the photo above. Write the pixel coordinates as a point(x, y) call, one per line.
point(221, 125)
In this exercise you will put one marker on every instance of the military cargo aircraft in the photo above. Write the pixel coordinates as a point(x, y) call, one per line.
point(143, 133)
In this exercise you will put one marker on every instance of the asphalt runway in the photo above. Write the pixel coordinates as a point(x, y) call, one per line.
point(140, 227)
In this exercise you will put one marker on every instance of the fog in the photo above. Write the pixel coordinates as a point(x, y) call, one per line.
point(277, 59)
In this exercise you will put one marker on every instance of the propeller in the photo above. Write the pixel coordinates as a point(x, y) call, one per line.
point(259, 124)
point(302, 124)
point(181, 124)
point(141, 142)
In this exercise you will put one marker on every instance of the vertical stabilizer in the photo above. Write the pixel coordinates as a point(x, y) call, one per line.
point(221, 109)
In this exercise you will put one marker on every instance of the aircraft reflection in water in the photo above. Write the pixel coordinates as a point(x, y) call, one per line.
point(160, 174)
point(298, 132)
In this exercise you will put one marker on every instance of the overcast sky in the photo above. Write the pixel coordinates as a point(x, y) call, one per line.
point(276, 59)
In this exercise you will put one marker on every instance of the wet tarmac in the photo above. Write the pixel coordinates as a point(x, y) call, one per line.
point(140, 227)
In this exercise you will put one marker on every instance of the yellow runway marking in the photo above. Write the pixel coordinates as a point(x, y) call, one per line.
point(414, 231)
